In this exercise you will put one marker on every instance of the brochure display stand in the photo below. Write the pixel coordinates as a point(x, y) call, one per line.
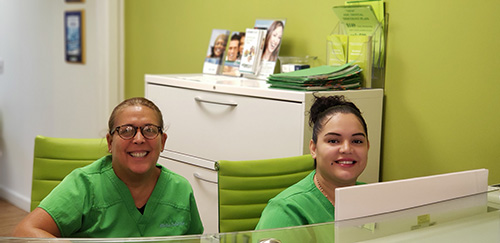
point(251, 54)
point(359, 38)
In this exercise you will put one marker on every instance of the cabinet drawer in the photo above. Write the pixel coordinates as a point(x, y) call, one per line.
point(204, 184)
point(217, 126)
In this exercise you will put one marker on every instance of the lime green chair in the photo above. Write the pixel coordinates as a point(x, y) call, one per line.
point(245, 187)
point(54, 158)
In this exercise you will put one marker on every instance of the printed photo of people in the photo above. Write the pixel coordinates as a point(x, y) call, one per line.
point(233, 56)
point(215, 53)
point(273, 40)
point(272, 44)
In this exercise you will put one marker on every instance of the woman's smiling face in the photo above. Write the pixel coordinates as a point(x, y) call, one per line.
point(341, 150)
point(275, 39)
point(137, 155)
point(219, 46)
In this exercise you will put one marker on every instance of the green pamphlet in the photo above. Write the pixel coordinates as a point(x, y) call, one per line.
point(360, 52)
point(377, 6)
point(337, 49)
point(358, 19)
point(363, 36)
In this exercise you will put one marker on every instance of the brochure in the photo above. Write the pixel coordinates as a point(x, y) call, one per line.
point(233, 54)
point(378, 39)
point(337, 49)
point(360, 52)
point(358, 19)
point(266, 63)
point(378, 7)
point(358, 41)
point(215, 53)
point(252, 50)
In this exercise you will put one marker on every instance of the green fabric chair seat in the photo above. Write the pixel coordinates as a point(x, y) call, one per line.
point(54, 158)
point(245, 187)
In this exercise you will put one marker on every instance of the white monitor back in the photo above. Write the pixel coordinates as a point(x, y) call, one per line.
point(375, 210)
point(383, 197)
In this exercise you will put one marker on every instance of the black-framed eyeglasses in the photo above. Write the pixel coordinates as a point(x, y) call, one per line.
point(127, 132)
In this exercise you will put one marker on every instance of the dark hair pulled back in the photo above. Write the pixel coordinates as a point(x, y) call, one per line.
point(326, 106)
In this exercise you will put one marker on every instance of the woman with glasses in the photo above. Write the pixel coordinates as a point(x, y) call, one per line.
point(125, 194)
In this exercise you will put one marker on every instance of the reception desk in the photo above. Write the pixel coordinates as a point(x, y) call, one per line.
point(477, 228)
point(465, 221)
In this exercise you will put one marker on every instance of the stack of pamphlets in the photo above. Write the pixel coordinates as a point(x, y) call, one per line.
point(347, 76)
point(252, 54)
point(359, 37)
point(252, 50)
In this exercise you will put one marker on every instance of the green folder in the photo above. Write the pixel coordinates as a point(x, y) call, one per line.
point(318, 88)
point(351, 82)
point(325, 72)
point(341, 81)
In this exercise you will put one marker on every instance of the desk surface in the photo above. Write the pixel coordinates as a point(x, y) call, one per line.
point(479, 228)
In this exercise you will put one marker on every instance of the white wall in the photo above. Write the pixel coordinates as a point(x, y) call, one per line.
point(42, 94)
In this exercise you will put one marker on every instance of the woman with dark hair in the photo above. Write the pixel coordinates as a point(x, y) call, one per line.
point(273, 41)
point(339, 146)
point(217, 50)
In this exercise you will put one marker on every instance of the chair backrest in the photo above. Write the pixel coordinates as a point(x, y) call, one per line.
point(54, 158)
point(245, 187)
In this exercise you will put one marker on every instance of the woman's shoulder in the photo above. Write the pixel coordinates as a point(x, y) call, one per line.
point(173, 177)
point(95, 168)
point(301, 189)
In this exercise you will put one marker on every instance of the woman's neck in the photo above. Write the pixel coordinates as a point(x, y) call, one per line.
point(324, 187)
point(267, 55)
point(141, 186)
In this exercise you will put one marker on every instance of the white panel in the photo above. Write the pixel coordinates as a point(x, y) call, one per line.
point(40, 93)
point(479, 228)
point(251, 128)
point(377, 198)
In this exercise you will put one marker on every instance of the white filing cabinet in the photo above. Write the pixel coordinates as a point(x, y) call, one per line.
point(211, 118)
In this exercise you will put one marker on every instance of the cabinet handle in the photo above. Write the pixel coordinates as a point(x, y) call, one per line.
point(229, 103)
point(199, 177)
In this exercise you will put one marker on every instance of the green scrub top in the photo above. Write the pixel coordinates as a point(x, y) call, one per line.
point(93, 202)
point(300, 204)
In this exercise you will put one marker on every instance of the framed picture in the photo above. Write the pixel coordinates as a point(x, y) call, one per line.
point(74, 36)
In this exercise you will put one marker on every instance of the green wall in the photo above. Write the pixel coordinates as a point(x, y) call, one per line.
point(441, 89)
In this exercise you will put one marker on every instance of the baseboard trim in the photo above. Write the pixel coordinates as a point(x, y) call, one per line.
point(15, 198)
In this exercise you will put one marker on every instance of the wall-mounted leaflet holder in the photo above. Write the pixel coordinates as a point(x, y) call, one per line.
point(360, 38)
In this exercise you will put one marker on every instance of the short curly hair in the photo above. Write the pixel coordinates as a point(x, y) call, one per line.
point(136, 101)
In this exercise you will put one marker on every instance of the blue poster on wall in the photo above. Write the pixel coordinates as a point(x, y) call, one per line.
point(74, 36)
